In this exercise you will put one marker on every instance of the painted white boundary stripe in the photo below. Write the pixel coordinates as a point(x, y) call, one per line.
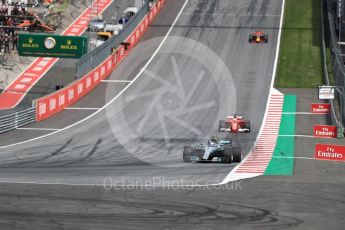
point(308, 136)
point(227, 179)
point(41, 129)
point(117, 81)
point(232, 176)
point(261, 153)
point(121, 92)
point(91, 115)
point(306, 158)
point(262, 150)
point(81, 108)
point(296, 135)
point(303, 113)
point(105, 185)
point(235, 15)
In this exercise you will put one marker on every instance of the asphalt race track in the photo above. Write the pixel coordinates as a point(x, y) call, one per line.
point(192, 92)
point(138, 138)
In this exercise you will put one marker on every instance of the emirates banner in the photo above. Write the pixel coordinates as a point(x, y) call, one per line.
point(325, 131)
point(323, 108)
point(330, 152)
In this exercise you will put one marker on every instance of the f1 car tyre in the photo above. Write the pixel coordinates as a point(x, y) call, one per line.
point(250, 38)
point(227, 155)
point(247, 125)
point(221, 125)
point(237, 155)
point(266, 38)
point(187, 154)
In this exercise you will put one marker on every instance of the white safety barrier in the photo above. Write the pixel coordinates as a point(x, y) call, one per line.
point(17, 119)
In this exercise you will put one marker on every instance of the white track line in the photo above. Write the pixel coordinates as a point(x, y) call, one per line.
point(118, 95)
point(232, 176)
point(295, 135)
point(43, 183)
point(306, 158)
point(303, 113)
point(308, 136)
point(113, 186)
point(40, 129)
point(235, 15)
point(117, 81)
point(81, 108)
point(274, 73)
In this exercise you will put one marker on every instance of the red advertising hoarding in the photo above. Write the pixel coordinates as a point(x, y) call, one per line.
point(56, 102)
point(323, 108)
point(325, 131)
point(17, 90)
point(330, 152)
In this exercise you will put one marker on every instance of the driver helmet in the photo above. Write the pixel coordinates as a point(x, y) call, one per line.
point(213, 141)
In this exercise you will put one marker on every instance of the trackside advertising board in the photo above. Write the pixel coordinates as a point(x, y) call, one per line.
point(56, 102)
point(17, 90)
point(325, 131)
point(48, 45)
point(330, 152)
point(326, 92)
point(323, 108)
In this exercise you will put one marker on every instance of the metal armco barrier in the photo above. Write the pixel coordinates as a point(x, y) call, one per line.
point(58, 101)
point(92, 59)
point(337, 62)
point(17, 119)
point(331, 110)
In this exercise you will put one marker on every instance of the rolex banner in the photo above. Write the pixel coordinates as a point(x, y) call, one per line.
point(48, 45)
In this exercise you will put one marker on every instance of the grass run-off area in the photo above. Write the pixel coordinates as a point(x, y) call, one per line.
point(299, 64)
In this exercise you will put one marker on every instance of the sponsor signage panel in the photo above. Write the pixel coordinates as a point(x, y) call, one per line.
point(330, 152)
point(57, 101)
point(48, 45)
point(320, 108)
point(325, 131)
point(326, 92)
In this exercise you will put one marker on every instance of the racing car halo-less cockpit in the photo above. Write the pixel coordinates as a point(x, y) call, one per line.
point(215, 151)
point(258, 37)
point(127, 14)
point(234, 124)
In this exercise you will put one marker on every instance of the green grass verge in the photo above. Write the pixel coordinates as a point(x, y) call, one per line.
point(300, 63)
point(282, 162)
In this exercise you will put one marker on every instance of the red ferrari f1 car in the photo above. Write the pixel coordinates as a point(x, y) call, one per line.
point(234, 124)
point(258, 37)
